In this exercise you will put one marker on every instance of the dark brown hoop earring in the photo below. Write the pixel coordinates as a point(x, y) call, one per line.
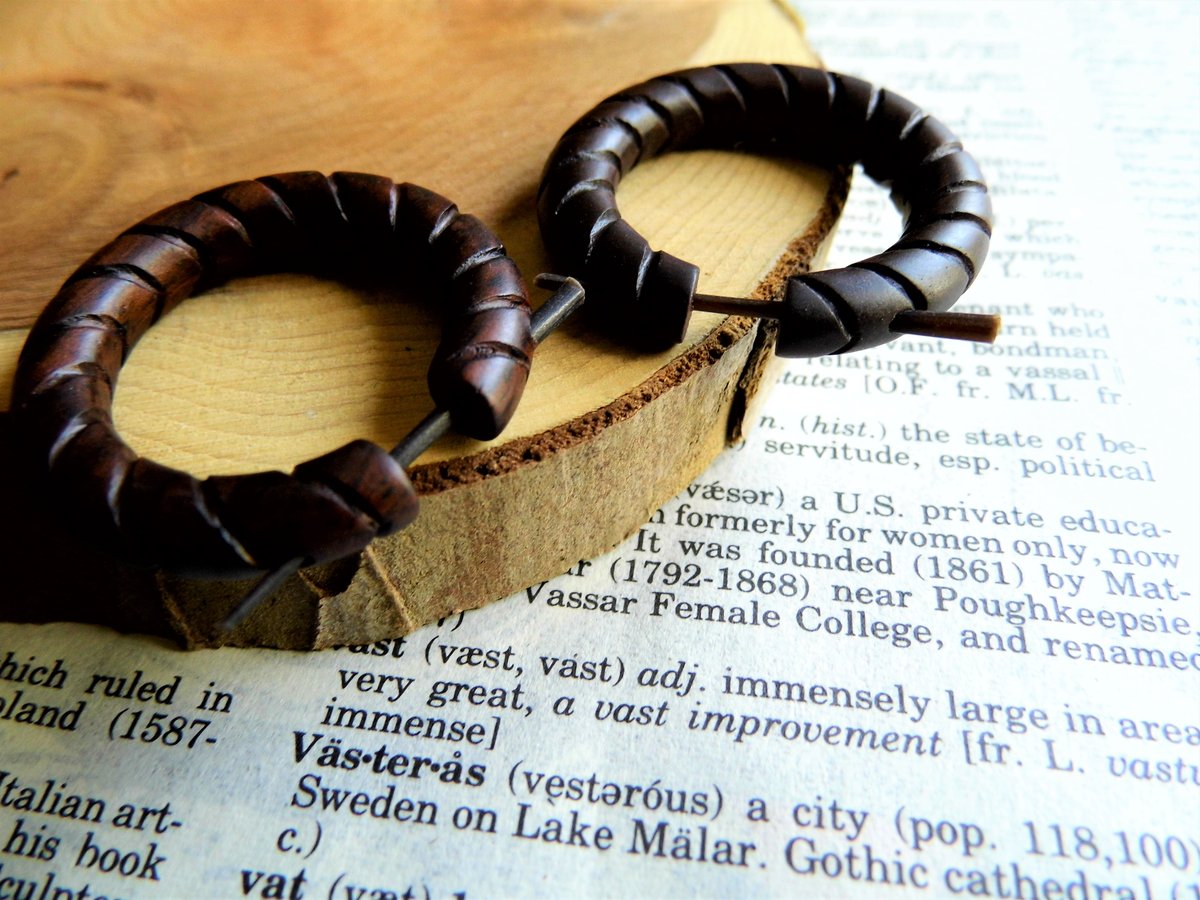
point(327, 507)
point(819, 116)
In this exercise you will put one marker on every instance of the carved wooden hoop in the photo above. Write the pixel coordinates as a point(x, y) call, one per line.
point(327, 507)
point(818, 116)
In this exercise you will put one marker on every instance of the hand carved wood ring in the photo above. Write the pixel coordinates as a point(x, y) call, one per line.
point(327, 507)
point(819, 116)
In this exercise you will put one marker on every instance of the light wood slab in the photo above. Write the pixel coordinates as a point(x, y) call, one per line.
point(114, 110)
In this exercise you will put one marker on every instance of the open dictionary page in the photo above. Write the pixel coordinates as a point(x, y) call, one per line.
point(931, 630)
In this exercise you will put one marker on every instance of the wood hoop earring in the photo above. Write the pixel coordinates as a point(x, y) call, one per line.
point(819, 116)
point(327, 507)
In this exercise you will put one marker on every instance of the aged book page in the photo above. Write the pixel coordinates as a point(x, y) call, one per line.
point(931, 629)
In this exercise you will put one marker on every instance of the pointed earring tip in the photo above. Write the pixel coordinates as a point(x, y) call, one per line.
point(982, 328)
point(262, 590)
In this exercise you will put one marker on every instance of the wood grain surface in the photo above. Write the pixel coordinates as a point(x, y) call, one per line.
point(113, 110)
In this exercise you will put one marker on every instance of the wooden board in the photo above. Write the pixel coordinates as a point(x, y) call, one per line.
point(118, 109)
